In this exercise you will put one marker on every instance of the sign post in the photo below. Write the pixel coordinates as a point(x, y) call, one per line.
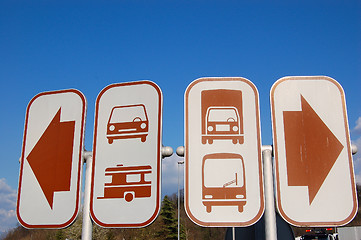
point(51, 160)
point(270, 211)
point(223, 166)
point(314, 170)
point(126, 177)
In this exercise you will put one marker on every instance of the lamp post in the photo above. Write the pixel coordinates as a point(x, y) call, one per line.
point(179, 163)
point(180, 152)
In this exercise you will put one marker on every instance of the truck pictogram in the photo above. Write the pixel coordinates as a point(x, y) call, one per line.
point(222, 116)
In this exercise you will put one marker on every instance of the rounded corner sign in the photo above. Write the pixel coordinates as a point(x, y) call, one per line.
point(223, 167)
point(126, 177)
point(313, 159)
point(51, 160)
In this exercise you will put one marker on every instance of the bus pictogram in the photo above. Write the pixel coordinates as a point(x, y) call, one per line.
point(223, 181)
point(128, 182)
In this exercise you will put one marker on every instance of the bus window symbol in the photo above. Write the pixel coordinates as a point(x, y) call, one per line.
point(223, 181)
point(126, 122)
point(128, 182)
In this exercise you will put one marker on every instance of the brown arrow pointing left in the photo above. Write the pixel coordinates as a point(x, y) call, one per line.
point(311, 148)
point(51, 158)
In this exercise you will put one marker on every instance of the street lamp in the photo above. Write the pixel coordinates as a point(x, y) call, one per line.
point(180, 152)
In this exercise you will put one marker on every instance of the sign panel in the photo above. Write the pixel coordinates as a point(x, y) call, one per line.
point(126, 176)
point(223, 167)
point(51, 160)
point(314, 172)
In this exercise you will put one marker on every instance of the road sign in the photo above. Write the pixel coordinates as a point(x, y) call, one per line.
point(314, 172)
point(223, 168)
point(126, 184)
point(51, 160)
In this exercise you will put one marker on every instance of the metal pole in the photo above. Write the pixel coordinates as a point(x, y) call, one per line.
point(180, 153)
point(233, 233)
point(179, 163)
point(87, 227)
point(178, 202)
point(270, 213)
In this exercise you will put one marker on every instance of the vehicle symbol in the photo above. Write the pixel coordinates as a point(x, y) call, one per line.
point(126, 122)
point(127, 182)
point(222, 115)
point(223, 181)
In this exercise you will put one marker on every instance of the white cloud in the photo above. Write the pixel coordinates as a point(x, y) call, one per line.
point(170, 174)
point(357, 160)
point(7, 206)
point(357, 157)
point(357, 128)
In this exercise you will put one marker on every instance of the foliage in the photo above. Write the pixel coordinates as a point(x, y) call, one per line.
point(164, 227)
point(169, 228)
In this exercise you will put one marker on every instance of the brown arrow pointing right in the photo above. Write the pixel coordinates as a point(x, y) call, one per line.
point(311, 148)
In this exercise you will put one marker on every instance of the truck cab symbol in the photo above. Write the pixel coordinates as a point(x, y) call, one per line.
point(223, 181)
point(222, 115)
point(126, 122)
point(127, 182)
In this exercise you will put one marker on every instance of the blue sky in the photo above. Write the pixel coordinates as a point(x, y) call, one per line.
point(87, 45)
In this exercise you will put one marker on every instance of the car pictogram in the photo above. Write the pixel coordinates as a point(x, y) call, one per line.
point(127, 122)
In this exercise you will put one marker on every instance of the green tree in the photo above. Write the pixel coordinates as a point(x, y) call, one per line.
point(169, 229)
point(59, 235)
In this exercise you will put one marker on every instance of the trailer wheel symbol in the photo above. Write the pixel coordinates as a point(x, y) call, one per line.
point(222, 116)
point(129, 196)
point(130, 121)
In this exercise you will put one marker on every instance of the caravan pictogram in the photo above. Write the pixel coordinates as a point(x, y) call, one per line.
point(126, 122)
point(229, 187)
point(128, 182)
point(222, 115)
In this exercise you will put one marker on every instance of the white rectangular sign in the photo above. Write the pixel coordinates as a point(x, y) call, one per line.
point(223, 167)
point(51, 160)
point(126, 179)
point(313, 161)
